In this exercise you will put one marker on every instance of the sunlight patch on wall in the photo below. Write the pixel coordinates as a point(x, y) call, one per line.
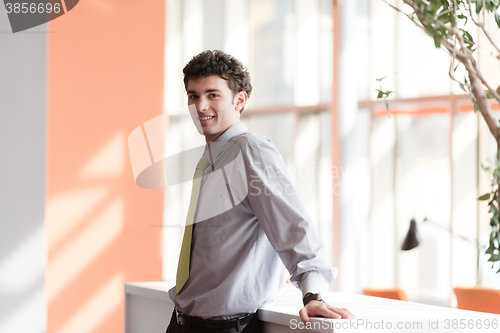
point(98, 308)
point(109, 161)
point(90, 243)
point(28, 317)
point(67, 210)
point(19, 271)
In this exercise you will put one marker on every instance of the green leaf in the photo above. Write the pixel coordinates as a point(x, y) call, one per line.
point(461, 16)
point(493, 209)
point(495, 173)
point(493, 258)
point(463, 88)
point(437, 41)
point(491, 5)
point(491, 248)
point(485, 168)
point(443, 31)
point(383, 94)
point(484, 197)
point(488, 94)
point(497, 19)
point(479, 6)
point(467, 37)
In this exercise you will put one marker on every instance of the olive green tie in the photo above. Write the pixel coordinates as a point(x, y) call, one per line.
point(185, 256)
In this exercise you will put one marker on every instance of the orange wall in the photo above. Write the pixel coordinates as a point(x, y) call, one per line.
point(105, 78)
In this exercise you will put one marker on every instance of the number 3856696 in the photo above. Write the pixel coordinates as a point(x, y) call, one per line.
point(27, 8)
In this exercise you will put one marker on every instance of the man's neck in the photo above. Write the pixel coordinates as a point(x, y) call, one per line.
point(209, 140)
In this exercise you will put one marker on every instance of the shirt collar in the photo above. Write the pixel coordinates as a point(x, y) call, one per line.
point(218, 146)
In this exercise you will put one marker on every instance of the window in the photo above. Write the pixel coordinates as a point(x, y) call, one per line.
point(288, 48)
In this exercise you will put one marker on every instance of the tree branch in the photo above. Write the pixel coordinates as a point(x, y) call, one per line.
point(481, 25)
point(482, 103)
point(466, 57)
point(417, 23)
point(492, 91)
point(454, 55)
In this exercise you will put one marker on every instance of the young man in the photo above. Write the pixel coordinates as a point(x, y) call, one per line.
point(232, 264)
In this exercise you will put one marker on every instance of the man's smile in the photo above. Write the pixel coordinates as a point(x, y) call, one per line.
point(205, 118)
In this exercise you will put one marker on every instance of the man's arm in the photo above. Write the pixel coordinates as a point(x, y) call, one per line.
point(288, 227)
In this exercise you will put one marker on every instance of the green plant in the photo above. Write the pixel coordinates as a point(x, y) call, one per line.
point(448, 23)
point(493, 249)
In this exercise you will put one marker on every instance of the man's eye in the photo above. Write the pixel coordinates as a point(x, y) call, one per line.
point(214, 95)
point(193, 97)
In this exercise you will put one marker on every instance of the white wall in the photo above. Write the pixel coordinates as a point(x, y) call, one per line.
point(23, 109)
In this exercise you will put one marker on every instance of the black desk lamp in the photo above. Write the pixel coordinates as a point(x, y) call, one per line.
point(412, 240)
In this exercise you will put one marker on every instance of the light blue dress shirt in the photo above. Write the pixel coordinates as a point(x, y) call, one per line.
point(251, 234)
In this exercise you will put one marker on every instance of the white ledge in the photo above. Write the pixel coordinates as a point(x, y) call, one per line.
point(370, 312)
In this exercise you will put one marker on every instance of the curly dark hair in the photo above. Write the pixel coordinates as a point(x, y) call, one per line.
point(216, 62)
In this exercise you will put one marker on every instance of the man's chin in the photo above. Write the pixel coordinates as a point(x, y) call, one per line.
point(207, 131)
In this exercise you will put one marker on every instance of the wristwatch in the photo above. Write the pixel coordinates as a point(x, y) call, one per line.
point(312, 297)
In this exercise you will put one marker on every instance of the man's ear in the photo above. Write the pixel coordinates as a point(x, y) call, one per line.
point(240, 100)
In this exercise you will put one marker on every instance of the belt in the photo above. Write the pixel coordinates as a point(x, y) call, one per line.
point(194, 322)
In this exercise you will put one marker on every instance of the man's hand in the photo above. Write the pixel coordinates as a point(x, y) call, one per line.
point(317, 308)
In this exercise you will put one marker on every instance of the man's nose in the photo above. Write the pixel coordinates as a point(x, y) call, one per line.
point(202, 104)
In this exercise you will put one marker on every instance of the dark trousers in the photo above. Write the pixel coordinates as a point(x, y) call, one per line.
point(254, 326)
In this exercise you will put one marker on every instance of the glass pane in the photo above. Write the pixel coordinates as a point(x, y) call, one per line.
point(423, 182)
point(382, 55)
point(361, 39)
point(278, 127)
point(192, 28)
point(382, 220)
point(326, 51)
point(313, 174)
point(306, 63)
point(213, 24)
point(422, 70)
point(465, 187)
point(236, 31)
point(305, 166)
point(272, 28)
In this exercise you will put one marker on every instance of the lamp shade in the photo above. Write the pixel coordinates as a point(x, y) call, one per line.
point(412, 238)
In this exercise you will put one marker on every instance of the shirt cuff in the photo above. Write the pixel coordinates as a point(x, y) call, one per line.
point(314, 283)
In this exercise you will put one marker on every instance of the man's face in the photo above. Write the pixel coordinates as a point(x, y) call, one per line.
point(217, 109)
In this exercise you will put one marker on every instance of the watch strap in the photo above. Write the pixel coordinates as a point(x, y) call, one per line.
point(312, 297)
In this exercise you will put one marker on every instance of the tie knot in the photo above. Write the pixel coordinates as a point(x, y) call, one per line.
point(203, 163)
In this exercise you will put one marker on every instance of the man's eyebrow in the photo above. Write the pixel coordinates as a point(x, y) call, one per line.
point(192, 92)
